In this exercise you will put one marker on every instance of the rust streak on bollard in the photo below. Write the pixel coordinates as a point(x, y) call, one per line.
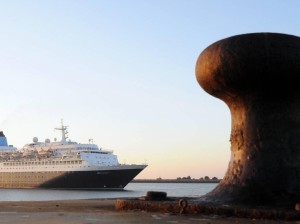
point(257, 76)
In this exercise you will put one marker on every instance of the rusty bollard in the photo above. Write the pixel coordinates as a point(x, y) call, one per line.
point(257, 76)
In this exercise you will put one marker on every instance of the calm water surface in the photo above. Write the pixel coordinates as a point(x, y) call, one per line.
point(131, 190)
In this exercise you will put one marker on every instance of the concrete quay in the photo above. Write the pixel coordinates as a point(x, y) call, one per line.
point(107, 211)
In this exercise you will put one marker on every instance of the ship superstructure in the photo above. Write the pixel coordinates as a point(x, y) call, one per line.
point(63, 165)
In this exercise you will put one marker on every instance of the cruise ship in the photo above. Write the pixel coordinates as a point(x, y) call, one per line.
point(63, 165)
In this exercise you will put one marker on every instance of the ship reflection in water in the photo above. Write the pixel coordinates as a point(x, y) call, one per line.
point(62, 165)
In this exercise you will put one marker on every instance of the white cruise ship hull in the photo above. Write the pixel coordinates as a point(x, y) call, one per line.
point(99, 179)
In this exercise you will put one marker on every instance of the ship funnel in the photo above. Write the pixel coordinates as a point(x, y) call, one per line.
point(3, 140)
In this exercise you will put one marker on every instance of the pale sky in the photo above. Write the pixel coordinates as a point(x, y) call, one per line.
point(122, 72)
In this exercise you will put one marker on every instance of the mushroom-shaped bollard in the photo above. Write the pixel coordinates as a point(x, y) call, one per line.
point(258, 76)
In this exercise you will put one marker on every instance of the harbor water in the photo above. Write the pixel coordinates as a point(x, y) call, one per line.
point(131, 190)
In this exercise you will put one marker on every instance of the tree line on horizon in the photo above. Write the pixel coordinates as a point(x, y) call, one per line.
point(205, 178)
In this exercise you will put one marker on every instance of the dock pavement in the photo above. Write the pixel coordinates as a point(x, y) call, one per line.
point(90, 211)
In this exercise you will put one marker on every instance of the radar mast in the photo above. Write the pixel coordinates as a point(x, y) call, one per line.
point(64, 132)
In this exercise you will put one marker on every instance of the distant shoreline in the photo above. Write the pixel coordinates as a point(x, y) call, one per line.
point(173, 181)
